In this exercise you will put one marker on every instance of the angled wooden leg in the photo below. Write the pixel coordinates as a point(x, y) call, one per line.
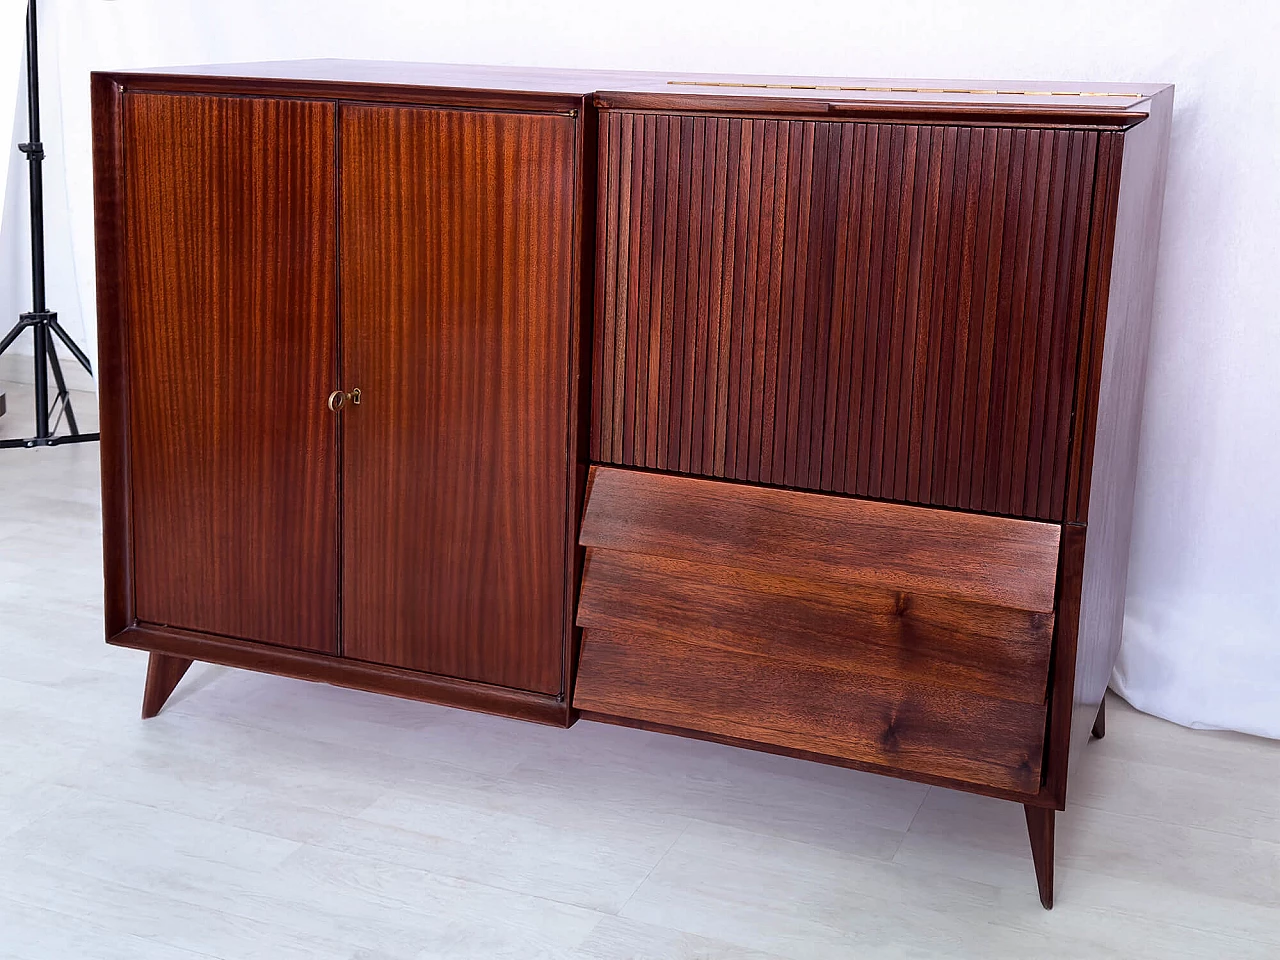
point(1040, 828)
point(1100, 721)
point(163, 674)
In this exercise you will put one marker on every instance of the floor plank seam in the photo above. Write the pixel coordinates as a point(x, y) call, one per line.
point(671, 846)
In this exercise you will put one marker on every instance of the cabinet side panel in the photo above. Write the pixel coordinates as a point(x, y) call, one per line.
point(108, 215)
point(457, 298)
point(1107, 488)
point(230, 317)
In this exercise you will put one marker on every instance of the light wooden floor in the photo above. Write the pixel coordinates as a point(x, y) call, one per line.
point(265, 818)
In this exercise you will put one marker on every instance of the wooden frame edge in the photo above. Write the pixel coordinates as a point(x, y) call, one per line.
point(582, 327)
point(337, 671)
point(1062, 666)
point(346, 90)
point(1099, 263)
point(1004, 115)
point(1040, 799)
point(107, 102)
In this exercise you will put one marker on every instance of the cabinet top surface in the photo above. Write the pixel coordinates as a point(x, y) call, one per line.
point(679, 87)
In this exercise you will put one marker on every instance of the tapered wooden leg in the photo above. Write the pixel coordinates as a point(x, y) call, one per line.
point(1040, 829)
point(163, 674)
point(1100, 721)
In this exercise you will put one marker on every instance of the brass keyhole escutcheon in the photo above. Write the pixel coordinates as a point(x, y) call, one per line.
point(338, 399)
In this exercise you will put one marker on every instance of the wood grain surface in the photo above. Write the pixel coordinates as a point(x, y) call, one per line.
point(107, 99)
point(1108, 104)
point(1040, 823)
point(339, 671)
point(887, 634)
point(978, 559)
point(886, 310)
point(163, 674)
point(813, 291)
point(871, 629)
point(1121, 312)
point(1063, 666)
point(812, 707)
point(231, 350)
point(457, 294)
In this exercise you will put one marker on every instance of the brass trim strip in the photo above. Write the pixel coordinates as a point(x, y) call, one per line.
point(825, 86)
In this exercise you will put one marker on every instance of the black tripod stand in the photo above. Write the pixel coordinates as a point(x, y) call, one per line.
point(42, 322)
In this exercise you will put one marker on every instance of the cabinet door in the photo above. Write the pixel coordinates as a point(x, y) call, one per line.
point(456, 253)
point(231, 299)
point(884, 310)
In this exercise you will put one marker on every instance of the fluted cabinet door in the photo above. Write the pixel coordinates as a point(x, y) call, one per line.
point(230, 324)
point(456, 278)
point(888, 310)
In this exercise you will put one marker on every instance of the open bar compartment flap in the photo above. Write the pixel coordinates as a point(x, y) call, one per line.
point(870, 632)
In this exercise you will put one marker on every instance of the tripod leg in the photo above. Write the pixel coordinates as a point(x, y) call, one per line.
point(80, 355)
point(63, 394)
point(12, 335)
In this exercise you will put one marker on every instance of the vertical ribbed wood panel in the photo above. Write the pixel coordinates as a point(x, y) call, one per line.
point(886, 310)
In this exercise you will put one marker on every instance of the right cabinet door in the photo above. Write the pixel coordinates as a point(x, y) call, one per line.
point(456, 295)
point(888, 310)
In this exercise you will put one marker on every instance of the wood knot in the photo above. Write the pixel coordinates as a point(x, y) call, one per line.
point(889, 738)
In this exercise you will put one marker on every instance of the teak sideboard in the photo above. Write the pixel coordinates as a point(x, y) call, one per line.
point(795, 414)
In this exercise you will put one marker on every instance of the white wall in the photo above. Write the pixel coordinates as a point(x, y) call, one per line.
point(1201, 638)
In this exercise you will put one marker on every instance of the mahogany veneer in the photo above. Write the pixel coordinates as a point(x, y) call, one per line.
point(226, 356)
point(456, 272)
point(841, 467)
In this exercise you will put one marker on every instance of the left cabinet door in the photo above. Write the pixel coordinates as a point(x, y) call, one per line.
point(230, 308)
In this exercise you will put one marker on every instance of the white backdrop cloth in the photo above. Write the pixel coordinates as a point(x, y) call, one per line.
point(1201, 644)
point(11, 39)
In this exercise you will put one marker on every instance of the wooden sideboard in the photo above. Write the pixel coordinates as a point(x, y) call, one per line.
point(795, 414)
